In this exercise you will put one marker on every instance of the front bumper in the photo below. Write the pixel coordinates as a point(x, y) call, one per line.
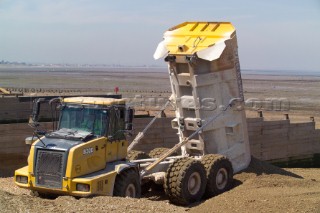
point(99, 184)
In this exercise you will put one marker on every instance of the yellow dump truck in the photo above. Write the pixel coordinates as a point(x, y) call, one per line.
point(86, 154)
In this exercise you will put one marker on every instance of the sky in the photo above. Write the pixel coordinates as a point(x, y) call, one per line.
point(272, 35)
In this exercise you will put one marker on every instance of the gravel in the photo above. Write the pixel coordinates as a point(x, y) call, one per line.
point(260, 188)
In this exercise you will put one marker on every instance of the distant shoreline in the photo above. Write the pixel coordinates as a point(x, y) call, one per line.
point(107, 68)
point(281, 72)
point(14, 72)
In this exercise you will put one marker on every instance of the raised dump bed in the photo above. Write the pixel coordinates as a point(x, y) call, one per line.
point(204, 71)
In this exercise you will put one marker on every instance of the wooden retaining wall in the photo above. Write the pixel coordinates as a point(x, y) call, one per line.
point(13, 111)
point(282, 140)
point(269, 140)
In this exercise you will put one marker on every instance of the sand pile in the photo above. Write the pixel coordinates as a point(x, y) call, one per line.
point(260, 188)
point(263, 187)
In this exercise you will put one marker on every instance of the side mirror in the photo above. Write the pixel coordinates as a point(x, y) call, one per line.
point(128, 119)
point(36, 109)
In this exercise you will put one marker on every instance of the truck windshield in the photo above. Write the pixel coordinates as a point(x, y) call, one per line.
point(83, 118)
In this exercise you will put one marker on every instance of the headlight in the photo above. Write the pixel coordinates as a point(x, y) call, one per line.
point(22, 179)
point(83, 187)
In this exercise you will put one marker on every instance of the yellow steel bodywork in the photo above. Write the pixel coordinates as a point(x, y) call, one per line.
point(101, 180)
point(80, 164)
point(104, 151)
point(191, 37)
point(100, 184)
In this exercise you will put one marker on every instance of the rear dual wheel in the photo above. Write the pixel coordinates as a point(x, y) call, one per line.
point(185, 181)
point(219, 174)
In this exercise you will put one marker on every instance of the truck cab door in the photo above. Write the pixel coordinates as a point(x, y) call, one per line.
point(116, 143)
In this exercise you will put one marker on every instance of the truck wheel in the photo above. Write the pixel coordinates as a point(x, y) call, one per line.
point(185, 181)
point(219, 174)
point(127, 184)
point(157, 152)
point(136, 155)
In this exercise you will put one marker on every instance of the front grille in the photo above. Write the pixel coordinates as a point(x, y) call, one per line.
point(49, 168)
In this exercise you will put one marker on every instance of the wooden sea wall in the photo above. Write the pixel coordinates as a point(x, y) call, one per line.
point(269, 140)
point(281, 140)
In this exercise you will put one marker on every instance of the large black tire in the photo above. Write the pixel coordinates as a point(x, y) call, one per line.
point(127, 184)
point(157, 152)
point(185, 181)
point(219, 174)
point(136, 155)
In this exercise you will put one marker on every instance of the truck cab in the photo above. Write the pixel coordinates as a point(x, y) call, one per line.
point(86, 152)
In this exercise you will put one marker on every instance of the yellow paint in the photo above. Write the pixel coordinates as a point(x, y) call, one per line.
point(116, 150)
point(69, 185)
point(94, 100)
point(31, 159)
point(122, 149)
point(88, 162)
point(104, 151)
point(191, 37)
point(106, 184)
point(22, 172)
point(111, 152)
point(80, 164)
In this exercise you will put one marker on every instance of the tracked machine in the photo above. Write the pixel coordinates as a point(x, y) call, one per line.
point(86, 154)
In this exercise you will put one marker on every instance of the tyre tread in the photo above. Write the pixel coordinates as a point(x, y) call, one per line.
point(136, 155)
point(211, 163)
point(173, 184)
point(122, 181)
